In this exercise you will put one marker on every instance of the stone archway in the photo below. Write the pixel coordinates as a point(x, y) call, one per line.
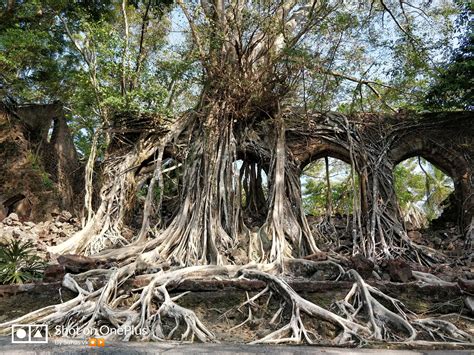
point(437, 149)
point(425, 195)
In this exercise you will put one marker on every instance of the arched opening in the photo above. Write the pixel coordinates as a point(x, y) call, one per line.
point(425, 193)
point(330, 189)
point(52, 129)
point(451, 162)
point(253, 191)
point(327, 187)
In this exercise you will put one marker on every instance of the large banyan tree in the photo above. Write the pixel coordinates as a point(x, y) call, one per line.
point(220, 155)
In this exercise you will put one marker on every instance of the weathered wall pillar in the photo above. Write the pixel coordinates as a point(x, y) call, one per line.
point(50, 136)
point(464, 185)
point(39, 160)
point(68, 169)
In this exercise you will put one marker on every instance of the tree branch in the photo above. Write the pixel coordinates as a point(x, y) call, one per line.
point(197, 38)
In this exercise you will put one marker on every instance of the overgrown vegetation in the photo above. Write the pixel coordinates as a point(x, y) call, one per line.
point(453, 86)
point(315, 188)
point(19, 263)
point(35, 163)
point(421, 190)
point(200, 85)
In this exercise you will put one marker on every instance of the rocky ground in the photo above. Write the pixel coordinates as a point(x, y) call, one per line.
point(42, 234)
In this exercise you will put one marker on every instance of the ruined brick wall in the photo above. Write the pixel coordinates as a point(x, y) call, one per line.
point(39, 161)
point(445, 139)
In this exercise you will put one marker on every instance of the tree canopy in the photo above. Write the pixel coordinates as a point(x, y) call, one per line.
point(100, 58)
point(452, 88)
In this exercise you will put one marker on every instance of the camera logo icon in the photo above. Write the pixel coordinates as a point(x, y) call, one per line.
point(29, 334)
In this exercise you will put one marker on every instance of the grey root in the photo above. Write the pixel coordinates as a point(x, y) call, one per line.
point(199, 238)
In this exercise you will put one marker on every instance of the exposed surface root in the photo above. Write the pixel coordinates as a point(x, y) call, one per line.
point(441, 330)
point(111, 305)
point(383, 322)
point(295, 331)
point(431, 279)
point(106, 297)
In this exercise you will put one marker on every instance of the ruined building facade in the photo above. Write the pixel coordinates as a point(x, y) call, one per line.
point(41, 172)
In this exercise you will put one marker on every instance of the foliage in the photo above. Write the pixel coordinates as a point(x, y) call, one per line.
point(453, 87)
point(409, 185)
point(94, 57)
point(36, 164)
point(19, 264)
point(315, 188)
point(362, 59)
point(108, 57)
point(421, 186)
